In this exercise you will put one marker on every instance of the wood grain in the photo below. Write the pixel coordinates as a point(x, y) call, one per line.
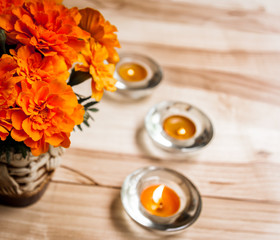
point(241, 127)
point(250, 182)
point(221, 56)
point(91, 212)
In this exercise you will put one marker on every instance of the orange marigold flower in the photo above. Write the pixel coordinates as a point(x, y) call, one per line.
point(92, 59)
point(48, 113)
point(5, 123)
point(102, 31)
point(6, 6)
point(8, 88)
point(34, 67)
point(50, 27)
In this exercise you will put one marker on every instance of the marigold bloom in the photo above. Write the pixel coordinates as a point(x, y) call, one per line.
point(5, 123)
point(101, 30)
point(8, 93)
point(34, 67)
point(6, 6)
point(8, 88)
point(48, 113)
point(37, 107)
point(50, 27)
point(92, 59)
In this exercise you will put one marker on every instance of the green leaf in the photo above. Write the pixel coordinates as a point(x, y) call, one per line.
point(81, 100)
point(86, 116)
point(10, 145)
point(86, 106)
point(80, 128)
point(86, 123)
point(91, 117)
point(2, 42)
point(93, 109)
point(78, 77)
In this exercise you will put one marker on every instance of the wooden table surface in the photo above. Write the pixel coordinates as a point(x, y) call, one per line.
point(221, 56)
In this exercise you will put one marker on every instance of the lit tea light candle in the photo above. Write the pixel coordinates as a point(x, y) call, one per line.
point(160, 200)
point(132, 72)
point(179, 127)
point(137, 75)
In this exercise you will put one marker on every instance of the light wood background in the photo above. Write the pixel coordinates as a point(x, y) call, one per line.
point(221, 56)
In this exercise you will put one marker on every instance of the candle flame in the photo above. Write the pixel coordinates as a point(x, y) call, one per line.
point(181, 131)
point(130, 72)
point(157, 194)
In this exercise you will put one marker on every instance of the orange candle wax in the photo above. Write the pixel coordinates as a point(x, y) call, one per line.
point(160, 200)
point(132, 72)
point(179, 127)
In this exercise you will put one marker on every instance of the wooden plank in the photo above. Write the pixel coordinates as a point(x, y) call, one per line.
point(191, 24)
point(260, 65)
point(256, 181)
point(88, 212)
point(242, 127)
point(269, 6)
point(223, 71)
point(192, 13)
point(234, 14)
point(207, 77)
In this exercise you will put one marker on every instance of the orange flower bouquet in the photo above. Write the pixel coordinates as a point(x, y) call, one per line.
point(41, 41)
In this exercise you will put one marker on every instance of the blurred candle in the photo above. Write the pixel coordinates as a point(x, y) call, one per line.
point(179, 127)
point(160, 200)
point(132, 72)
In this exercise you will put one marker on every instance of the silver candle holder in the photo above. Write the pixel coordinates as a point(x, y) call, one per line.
point(154, 122)
point(143, 87)
point(190, 200)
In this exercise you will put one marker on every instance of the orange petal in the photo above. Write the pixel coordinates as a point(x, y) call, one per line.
point(96, 94)
point(55, 139)
point(37, 147)
point(19, 135)
point(42, 148)
point(41, 95)
point(90, 21)
point(78, 114)
point(113, 57)
point(66, 143)
point(3, 133)
point(17, 118)
point(27, 127)
point(7, 22)
point(66, 124)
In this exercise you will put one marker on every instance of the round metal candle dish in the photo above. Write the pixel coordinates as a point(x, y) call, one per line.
point(154, 126)
point(190, 199)
point(144, 87)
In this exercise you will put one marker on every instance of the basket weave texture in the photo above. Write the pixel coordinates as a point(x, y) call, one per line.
point(19, 175)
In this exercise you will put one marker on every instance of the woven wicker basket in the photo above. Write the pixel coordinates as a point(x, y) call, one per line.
point(24, 180)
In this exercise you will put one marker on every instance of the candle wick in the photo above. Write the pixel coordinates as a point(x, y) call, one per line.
point(156, 206)
point(157, 197)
